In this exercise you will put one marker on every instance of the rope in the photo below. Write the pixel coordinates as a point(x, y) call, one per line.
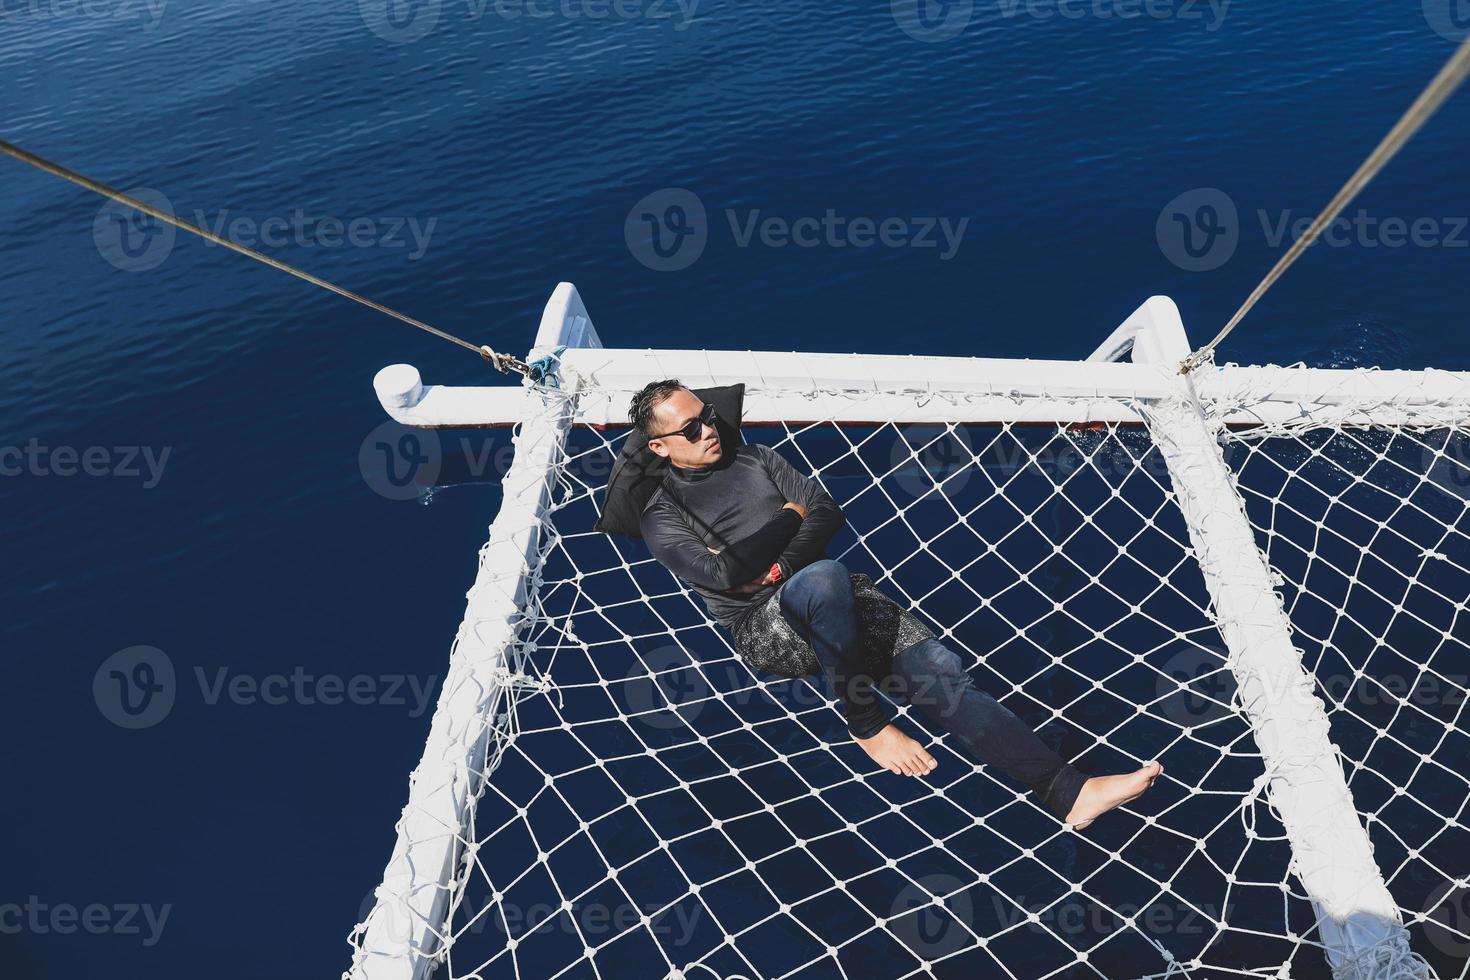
point(635, 767)
point(501, 362)
point(1429, 101)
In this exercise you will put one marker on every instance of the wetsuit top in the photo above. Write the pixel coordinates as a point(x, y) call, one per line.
point(735, 506)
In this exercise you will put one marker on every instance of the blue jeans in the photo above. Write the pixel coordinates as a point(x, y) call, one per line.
point(818, 603)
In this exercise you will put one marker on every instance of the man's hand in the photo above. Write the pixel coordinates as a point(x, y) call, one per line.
point(757, 584)
point(754, 585)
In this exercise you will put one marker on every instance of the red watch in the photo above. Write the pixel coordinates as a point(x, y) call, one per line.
point(775, 572)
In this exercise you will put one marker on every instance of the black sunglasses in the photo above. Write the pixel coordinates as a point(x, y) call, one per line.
point(694, 428)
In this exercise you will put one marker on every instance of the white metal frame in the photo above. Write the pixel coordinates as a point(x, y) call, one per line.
point(1362, 932)
point(1360, 924)
point(401, 941)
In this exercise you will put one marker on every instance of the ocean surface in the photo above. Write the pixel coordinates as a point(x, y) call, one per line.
point(181, 427)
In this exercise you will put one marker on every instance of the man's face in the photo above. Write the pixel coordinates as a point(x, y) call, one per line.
point(674, 412)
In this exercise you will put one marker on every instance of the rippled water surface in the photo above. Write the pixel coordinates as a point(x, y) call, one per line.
point(456, 160)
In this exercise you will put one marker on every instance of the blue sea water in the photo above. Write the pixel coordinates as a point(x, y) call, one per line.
point(227, 403)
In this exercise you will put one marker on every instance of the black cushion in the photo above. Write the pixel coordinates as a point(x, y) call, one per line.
point(639, 470)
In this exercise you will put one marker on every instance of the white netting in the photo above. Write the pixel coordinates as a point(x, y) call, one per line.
point(652, 808)
point(1368, 525)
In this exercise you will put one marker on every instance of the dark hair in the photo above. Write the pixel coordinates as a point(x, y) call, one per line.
point(640, 412)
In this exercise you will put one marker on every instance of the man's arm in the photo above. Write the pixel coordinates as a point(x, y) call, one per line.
point(823, 518)
point(679, 549)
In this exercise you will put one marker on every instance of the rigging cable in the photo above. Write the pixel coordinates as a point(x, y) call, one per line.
point(501, 362)
point(1434, 96)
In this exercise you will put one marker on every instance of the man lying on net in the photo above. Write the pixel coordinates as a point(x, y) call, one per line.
point(749, 534)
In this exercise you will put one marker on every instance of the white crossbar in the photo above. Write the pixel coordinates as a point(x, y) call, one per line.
point(1361, 929)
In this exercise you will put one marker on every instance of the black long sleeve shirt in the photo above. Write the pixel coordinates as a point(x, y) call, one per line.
point(721, 526)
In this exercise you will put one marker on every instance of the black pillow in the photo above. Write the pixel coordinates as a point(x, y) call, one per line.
point(639, 470)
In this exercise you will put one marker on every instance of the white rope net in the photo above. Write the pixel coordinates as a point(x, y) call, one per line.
point(651, 807)
point(1368, 526)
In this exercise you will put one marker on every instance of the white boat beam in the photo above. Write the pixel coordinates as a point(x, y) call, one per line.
point(1359, 923)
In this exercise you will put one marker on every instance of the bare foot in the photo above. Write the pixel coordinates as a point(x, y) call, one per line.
point(1101, 793)
point(896, 752)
